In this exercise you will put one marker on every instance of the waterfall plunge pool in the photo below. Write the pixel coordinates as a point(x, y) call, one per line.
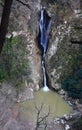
point(49, 101)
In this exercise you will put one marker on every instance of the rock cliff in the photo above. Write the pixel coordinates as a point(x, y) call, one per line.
point(65, 31)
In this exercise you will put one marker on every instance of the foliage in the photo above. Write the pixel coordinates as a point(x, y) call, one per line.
point(78, 124)
point(73, 87)
point(73, 83)
point(14, 64)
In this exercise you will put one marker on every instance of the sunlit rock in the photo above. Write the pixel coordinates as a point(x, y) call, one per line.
point(67, 127)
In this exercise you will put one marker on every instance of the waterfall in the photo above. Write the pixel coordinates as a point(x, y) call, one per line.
point(45, 87)
point(44, 27)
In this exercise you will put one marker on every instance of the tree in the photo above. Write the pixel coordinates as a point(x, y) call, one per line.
point(4, 22)
point(5, 19)
point(41, 121)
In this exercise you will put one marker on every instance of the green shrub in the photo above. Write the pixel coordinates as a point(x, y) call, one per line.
point(73, 87)
point(73, 83)
point(78, 125)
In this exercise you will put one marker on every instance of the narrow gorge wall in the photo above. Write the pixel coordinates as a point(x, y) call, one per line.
point(24, 23)
point(62, 52)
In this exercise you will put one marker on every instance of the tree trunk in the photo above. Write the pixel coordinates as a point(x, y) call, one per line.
point(4, 22)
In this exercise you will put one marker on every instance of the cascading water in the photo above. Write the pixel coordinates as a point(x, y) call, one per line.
point(44, 29)
point(45, 87)
point(44, 26)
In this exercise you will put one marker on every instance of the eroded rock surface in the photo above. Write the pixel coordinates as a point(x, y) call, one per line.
point(64, 40)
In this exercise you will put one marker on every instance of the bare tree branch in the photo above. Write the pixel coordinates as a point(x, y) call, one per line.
point(41, 121)
point(24, 4)
point(39, 109)
point(44, 117)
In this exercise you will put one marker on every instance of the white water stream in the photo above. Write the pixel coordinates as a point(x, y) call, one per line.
point(45, 87)
point(44, 25)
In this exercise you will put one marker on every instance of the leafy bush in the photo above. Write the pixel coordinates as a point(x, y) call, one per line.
point(14, 64)
point(73, 87)
point(78, 125)
point(73, 83)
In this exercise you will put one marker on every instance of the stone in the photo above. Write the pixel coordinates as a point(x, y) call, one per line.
point(8, 89)
point(77, 11)
point(76, 114)
point(11, 125)
point(67, 127)
point(70, 103)
point(62, 121)
point(37, 87)
point(26, 95)
point(67, 117)
point(57, 120)
point(5, 115)
point(57, 85)
point(61, 92)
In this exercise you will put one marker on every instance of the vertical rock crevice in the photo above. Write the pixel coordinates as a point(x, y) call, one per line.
point(43, 38)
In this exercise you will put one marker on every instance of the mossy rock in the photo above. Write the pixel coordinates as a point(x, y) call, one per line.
point(76, 35)
point(14, 62)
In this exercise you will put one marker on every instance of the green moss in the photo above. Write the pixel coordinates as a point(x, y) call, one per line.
point(14, 65)
point(76, 34)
